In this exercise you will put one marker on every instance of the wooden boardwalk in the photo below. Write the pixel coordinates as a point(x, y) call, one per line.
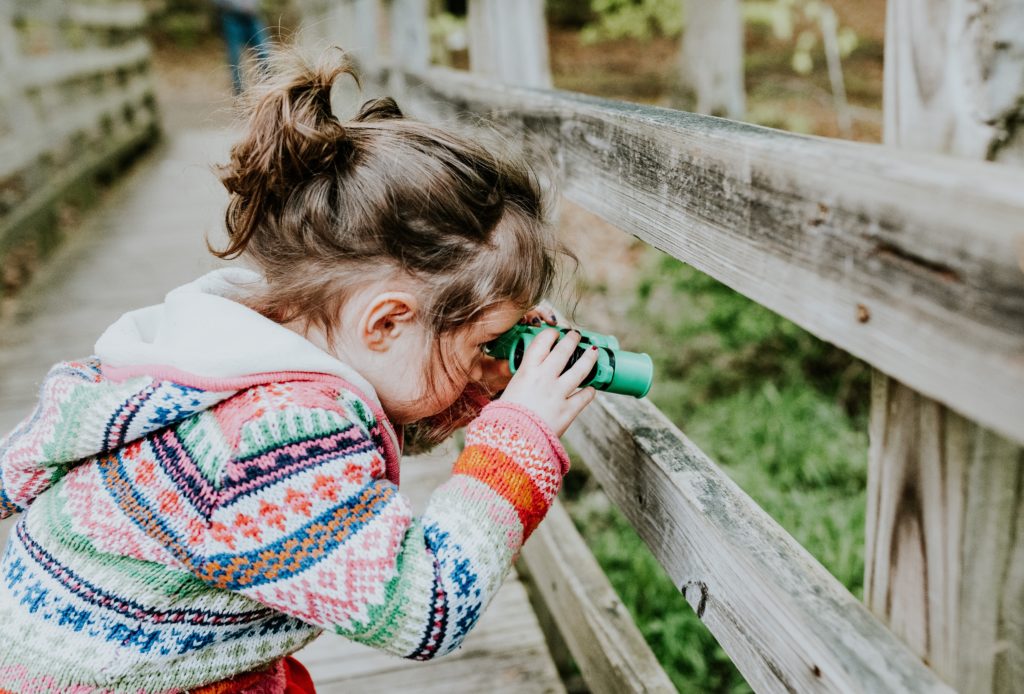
point(146, 238)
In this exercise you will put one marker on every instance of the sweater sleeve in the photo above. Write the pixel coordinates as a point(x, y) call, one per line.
point(308, 524)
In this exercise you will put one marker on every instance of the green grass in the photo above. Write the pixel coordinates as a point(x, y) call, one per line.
point(783, 413)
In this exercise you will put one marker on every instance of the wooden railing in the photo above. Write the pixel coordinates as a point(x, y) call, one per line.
point(75, 98)
point(912, 262)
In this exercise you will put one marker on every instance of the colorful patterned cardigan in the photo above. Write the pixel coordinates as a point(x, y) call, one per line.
point(181, 530)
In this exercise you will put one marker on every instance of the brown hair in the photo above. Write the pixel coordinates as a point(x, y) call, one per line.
point(322, 206)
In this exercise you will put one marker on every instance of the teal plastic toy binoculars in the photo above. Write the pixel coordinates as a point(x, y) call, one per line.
point(616, 371)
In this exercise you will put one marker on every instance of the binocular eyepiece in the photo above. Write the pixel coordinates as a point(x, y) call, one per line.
point(616, 371)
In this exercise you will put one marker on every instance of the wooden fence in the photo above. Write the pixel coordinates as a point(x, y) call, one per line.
point(75, 99)
point(911, 261)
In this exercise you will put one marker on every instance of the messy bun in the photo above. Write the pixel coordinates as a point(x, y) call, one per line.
point(292, 136)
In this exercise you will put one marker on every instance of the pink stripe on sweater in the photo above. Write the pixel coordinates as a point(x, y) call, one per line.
point(392, 440)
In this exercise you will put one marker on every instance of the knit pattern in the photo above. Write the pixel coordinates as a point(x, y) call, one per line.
point(175, 537)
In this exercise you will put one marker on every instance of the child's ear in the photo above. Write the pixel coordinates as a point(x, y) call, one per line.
point(387, 317)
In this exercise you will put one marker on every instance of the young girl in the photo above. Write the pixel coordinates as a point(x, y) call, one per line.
point(219, 483)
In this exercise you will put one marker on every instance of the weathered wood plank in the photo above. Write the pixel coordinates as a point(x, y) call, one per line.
point(410, 40)
point(911, 262)
point(515, 669)
point(118, 15)
point(17, 153)
point(117, 144)
point(608, 648)
point(785, 621)
point(66, 66)
point(945, 554)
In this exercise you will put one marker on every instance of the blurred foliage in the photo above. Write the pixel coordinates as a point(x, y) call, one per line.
point(800, 19)
point(793, 21)
point(637, 19)
point(783, 413)
point(719, 342)
point(183, 23)
point(569, 14)
point(448, 39)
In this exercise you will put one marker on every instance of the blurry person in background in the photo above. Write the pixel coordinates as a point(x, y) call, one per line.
point(243, 28)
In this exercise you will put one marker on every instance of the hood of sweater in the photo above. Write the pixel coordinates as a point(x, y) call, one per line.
point(156, 366)
point(204, 335)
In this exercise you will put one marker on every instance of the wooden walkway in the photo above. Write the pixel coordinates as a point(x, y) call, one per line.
point(146, 238)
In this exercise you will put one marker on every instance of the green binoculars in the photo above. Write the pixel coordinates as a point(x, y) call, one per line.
point(616, 371)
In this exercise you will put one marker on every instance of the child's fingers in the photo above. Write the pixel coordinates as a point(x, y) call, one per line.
point(539, 349)
point(579, 400)
point(559, 356)
point(575, 375)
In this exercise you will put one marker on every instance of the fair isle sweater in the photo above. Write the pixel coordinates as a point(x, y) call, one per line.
point(211, 491)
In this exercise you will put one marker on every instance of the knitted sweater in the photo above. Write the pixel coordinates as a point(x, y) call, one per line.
point(205, 517)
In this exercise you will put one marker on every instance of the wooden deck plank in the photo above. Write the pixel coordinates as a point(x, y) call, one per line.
point(519, 671)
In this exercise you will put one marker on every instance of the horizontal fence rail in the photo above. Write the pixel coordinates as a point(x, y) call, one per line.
point(606, 645)
point(76, 97)
point(786, 622)
point(914, 263)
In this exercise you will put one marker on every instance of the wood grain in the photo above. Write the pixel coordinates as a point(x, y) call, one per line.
point(784, 620)
point(906, 260)
point(945, 551)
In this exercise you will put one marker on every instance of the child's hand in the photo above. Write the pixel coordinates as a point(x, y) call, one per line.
point(541, 313)
point(540, 385)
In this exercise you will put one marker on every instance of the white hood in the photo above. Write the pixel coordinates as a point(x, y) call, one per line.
point(203, 330)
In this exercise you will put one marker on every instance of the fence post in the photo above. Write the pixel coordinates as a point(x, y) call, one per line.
point(366, 31)
point(509, 41)
point(352, 25)
point(410, 37)
point(711, 57)
point(945, 517)
point(19, 114)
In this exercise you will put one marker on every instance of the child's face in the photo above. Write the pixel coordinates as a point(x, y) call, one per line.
point(444, 375)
